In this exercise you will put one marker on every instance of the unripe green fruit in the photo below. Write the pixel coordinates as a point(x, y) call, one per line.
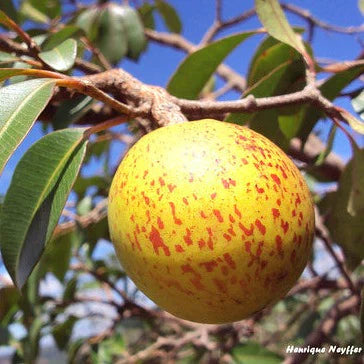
point(211, 220)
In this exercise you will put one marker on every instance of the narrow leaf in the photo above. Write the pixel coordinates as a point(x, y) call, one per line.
point(355, 123)
point(62, 57)
point(322, 156)
point(356, 198)
point(38, 191)
point(193, 73)
point(20, 105)
point(170, 16)
point(273, 19)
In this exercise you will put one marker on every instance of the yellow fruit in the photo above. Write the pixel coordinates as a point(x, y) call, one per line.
point(211, 220)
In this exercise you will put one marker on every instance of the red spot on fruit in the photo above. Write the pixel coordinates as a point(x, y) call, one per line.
point(279, 245)
point(161, 181)
point(278, 202)
point(203, 215)
point(298, 200)
point(231, 218)
point(177, 221)
point(201, 243)
point(284, 226)
point(247, 246)
point(275, 213)
point(260, 226)
point(259, 189)
point(179, 248)
point(225, 183)
point(224, 270)
point(229, 261)
point(220, 285)
point(171, 187)
point(187, 237)
point(160, 223)
point(209, 266)
point(237, 212)
point(227, 236)
point(213, 195)
point(158, 242)
point(145, 174)
point(244, 161)
point(185, 201)
point(293, 256)
point(276, 179)
point(218, 216)
point(194, 196)
point(146, 198)
point(246, 230)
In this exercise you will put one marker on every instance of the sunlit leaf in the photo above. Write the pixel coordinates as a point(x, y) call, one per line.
point(358, 104)
point(20, 105)
point(38, 191)
point(62, 57)
point(275, 22)
point(192, 74)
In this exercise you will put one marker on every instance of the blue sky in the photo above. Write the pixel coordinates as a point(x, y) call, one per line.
point(159, 62)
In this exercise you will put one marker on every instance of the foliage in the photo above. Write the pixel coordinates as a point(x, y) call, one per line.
point(55, 69)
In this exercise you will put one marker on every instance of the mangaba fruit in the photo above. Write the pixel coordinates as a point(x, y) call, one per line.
point(211, 220)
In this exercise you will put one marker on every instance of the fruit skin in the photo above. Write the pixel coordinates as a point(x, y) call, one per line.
point(211, 220)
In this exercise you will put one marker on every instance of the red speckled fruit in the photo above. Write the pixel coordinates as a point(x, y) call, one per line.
point(211, 220)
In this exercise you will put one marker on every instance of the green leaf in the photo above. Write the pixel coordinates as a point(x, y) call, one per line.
point(62, 57)
point(56, 39)
point(38, 191)
point(56, 257)
point(275, 22)
point(69, 111)
point(358, 104)
point(28, 11)
point(20, 105)
point(88, 21)
point(195, 71)
point(110, 348)
point(146, 12)
point(330, 89)
point(70, 290)
point(252, 353)
point(347, 230)
point(356, 198)
point(46, 8)
point(112, 37)
point(84, 206)
point(83, 183)
point(9, 296)
point(169, 15)
point(134, 30)
point(322, 156)
point(276, 69)
point(73, 349)
point(9, 9)
point(63, 332)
